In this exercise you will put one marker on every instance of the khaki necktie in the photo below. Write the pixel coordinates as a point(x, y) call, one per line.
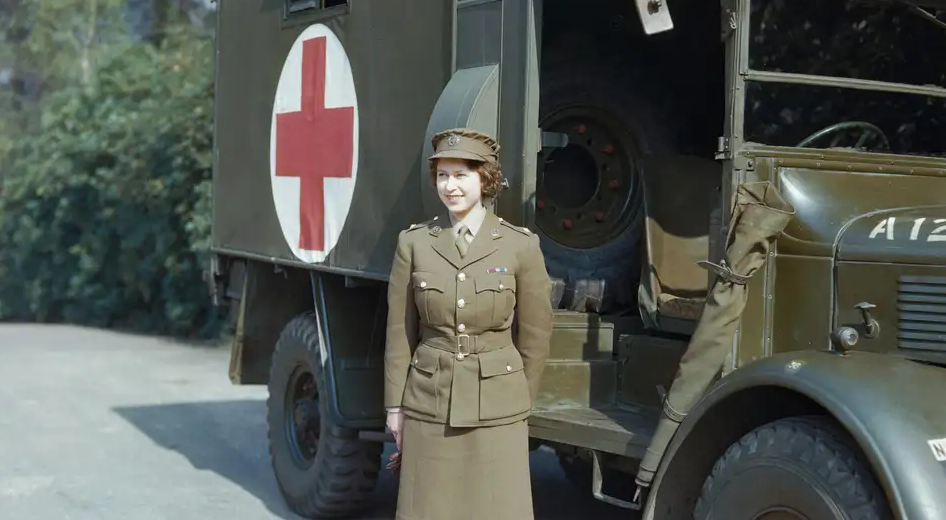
point(462, 244)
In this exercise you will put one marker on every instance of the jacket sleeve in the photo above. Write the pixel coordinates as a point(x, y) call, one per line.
point(533, 312)
point(402, 324)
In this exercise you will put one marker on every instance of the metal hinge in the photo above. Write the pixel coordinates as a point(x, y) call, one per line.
point(723, 150)
point(727, 20)
point(740, 161)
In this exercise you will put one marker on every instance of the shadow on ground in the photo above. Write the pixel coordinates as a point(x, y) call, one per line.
point(229, 439)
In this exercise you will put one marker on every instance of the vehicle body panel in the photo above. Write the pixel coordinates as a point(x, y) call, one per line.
point(914, 235)
point(792, 303)
point(395, 96)
point(873, 396)
point(830, 190)
point(910, 308)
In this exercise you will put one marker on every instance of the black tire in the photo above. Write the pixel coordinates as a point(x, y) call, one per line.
point(338, 479)
point(805, 465)
point(635, 121)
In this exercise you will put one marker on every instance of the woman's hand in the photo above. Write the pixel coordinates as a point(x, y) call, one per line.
point(395, 463)
point(396, 425)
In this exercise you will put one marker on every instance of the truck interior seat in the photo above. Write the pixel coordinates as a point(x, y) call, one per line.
point(681, 194)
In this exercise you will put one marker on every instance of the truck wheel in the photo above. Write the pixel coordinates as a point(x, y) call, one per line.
point(589, 203)
point(323, 470)
point(795, 468)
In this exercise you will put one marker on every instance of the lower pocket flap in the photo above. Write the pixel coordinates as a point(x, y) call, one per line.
point(503, 361)
point(426, 360)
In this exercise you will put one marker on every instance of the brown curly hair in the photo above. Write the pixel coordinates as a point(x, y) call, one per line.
point(491, 175)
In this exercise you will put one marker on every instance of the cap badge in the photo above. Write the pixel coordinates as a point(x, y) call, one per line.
point(453, 140)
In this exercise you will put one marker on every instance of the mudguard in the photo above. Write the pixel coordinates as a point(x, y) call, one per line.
point(890, 406)
point(470, 100)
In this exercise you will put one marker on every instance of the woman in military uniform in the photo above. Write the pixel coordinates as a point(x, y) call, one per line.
point(469, 321)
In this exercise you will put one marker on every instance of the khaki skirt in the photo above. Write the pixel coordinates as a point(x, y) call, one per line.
point(452, 473)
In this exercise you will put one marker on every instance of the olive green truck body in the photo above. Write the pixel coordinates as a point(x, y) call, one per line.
point(742, 205)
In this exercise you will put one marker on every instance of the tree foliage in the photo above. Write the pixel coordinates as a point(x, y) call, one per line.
point(105, 214)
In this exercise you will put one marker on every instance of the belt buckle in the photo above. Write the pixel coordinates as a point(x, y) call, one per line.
point(460, 353)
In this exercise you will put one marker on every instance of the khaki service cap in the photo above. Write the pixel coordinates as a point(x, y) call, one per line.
point(463, 143)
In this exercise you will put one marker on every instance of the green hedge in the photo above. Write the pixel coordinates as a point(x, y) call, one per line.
point(105, 212)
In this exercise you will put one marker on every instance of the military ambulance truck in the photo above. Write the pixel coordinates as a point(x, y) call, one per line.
point(742, 205)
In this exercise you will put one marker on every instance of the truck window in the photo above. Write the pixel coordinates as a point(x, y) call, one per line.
point(860, 40)
point(301, 5)
point(879, 41)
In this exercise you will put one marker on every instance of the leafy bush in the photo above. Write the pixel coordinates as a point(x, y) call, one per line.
point(105, 213)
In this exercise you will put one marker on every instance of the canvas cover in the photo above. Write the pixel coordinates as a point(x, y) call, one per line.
point(760, 213)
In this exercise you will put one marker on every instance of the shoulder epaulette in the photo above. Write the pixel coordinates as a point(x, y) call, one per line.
point(524, 230)
point(422, 224)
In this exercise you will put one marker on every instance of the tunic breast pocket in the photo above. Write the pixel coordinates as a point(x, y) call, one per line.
point(428, 295)
point(495, 298)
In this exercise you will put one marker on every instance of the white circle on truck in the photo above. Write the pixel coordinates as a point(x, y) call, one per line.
point(313, 148)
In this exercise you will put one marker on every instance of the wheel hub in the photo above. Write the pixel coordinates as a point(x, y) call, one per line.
point(302, 419)
point(571, 177)
point(586, 191)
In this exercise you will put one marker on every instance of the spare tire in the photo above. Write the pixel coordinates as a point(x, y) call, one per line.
point(589, 197)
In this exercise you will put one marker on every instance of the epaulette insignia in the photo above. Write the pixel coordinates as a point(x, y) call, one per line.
point(524, 230)
point(422, 224)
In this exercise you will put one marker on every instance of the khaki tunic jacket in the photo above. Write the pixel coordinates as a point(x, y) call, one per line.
point(467, 338)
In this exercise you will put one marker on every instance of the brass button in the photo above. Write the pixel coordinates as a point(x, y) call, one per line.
point(461, 327)
point(460, 303)
point(461, 276)
point(508, 368)
point(423, 284)
point(500, 287)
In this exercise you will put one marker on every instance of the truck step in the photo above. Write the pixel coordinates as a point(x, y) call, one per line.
point(590, 383)
point(619, 430)
point(581, 336)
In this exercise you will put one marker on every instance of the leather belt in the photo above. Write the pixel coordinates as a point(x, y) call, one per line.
point(464, 345)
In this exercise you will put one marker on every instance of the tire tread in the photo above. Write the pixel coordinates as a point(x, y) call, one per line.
point(345, 469)
point(819, 446)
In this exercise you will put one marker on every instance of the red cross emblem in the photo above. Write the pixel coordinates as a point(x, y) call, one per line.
point(313, 144)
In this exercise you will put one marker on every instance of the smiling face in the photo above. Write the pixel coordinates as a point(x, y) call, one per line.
point(459, 185)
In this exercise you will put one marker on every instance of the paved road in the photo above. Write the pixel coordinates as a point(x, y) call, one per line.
point(106, 426)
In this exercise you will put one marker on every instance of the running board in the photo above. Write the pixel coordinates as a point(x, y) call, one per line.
point(618, 430)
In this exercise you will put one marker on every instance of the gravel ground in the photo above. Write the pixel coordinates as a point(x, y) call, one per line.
point(108, 426)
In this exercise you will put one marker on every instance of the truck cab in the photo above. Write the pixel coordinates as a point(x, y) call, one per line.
point(742, 207)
